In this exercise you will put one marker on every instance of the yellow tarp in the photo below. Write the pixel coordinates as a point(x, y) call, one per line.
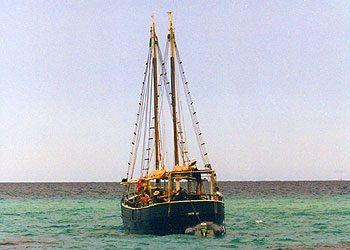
point(157, 174)
point(181, 168)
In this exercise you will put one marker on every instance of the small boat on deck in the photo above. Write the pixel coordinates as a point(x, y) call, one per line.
point(168, 198)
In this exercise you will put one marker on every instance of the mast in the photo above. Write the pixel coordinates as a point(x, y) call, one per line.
point(155, 92)
point(173, 93)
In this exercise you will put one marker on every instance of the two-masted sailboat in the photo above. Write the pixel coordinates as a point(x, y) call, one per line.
point(168, 199)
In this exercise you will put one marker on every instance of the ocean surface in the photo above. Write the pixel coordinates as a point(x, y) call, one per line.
point(259, 215)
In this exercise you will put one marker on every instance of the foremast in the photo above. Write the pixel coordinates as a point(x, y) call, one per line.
point(173, 88)
point(155, 94)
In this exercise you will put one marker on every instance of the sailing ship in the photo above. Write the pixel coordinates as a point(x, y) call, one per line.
point(167, 200)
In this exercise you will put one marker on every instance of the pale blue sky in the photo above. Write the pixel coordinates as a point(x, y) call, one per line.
point(271, 81)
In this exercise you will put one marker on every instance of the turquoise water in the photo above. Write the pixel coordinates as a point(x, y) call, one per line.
point(252, 222)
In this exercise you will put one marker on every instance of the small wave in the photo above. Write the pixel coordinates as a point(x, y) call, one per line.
point(24, 243)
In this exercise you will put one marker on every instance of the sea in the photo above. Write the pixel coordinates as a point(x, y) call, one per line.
point(259, 215)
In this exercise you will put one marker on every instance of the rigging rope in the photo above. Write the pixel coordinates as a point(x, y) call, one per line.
point(193, 113)
point(144, 105)
point(134, 147)
point(182, 131)
point(166, 84)
point(145, 114)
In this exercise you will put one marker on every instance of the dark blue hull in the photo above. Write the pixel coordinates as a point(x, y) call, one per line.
point(172, 217)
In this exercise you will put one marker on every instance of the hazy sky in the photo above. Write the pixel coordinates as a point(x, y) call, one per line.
point(271, 81)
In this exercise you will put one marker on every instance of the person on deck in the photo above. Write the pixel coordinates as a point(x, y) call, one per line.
point(157, 198)
point(144, 199)
point(197, 176)
point(180, 194)
point(147, 187)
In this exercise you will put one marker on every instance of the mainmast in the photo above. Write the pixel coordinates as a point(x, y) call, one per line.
point(155, 93)
point(173, 93)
